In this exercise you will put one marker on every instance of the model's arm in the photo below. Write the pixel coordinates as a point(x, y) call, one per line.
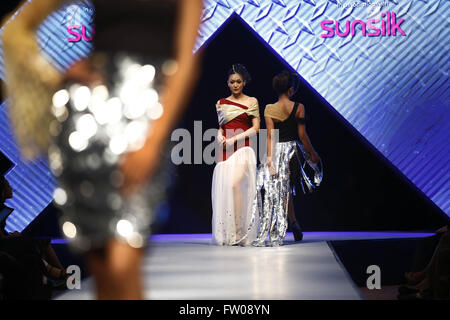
point(270, 127)
point(220, 138)
point(246, 134)
point(20, 33)
point(270, 130)
point(139, 166)
point(304, 136)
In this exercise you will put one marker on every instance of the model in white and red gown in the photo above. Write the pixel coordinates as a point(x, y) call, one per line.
point(234, 178)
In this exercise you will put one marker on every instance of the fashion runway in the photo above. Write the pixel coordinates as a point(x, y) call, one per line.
point(188, 267)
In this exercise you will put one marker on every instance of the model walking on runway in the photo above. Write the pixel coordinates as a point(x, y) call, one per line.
point(279, 173)
point(234, 184)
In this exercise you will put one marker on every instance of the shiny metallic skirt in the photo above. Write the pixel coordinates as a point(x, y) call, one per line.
point(93, 128)
point(273, 191)
point(272, 207)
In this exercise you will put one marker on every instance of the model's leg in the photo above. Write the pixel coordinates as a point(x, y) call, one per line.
point(117, 271)
point(296, 230)
point(291, 213)
point(264, 209)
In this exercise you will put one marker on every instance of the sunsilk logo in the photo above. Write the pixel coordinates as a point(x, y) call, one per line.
point(387, 28)
point(73, 30)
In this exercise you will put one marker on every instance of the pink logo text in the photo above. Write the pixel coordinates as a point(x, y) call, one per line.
point(388, 27)
point(73, 30)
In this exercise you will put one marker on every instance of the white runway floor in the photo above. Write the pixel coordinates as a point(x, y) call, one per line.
point(189, 268)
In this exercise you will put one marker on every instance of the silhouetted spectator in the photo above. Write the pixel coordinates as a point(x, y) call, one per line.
point(433, 282)
point(24, 260)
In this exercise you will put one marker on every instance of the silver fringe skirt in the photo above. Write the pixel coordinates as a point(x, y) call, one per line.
point(291, 163)
point(272, 210)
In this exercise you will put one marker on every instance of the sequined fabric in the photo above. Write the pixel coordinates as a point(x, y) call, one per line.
point(270, 205)
point(94, 127)
point(307, 174)
point(272, 210)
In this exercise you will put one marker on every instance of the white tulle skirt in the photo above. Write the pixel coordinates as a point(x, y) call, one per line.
point(233, 192)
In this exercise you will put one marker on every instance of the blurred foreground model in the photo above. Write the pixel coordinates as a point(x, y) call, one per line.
point(104, 123)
